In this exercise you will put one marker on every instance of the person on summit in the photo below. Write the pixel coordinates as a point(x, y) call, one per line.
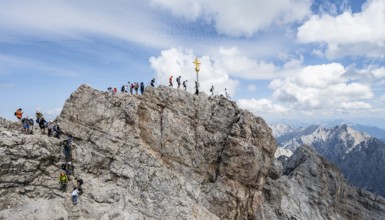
point(178, 81)
point(38, 116)
point(19, 114)
point(184, 85)
point(153, 82)
point(42, 125)
point(136, 88)
point(31, 124)
point(170, 81)
point(63, 180)
point(196, 88)
point(25, 123)
point(141, 88)
point(212, 90)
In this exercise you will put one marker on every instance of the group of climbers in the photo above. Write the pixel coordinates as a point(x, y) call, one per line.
point(28, 124)
point(68, 170)
point(129, 88)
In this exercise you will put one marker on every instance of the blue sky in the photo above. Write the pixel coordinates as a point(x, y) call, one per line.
point(285, 59)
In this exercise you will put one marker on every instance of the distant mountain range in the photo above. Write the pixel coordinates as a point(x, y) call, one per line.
point(359, 155)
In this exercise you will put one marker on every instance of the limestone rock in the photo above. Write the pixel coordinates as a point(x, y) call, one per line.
point(313, 188)
point(165, 155)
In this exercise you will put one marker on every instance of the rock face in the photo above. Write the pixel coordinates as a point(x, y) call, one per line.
point(164, 155)
point(169, 155)
point(313, 188)
point(359, 156)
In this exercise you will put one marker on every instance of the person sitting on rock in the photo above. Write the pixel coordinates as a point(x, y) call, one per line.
point(153, 82)
point(63, 180)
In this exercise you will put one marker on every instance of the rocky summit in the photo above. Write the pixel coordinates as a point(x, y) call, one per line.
point(168, 155)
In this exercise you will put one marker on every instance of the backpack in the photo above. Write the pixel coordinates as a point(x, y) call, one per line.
point(63, 166)
point(15, 113)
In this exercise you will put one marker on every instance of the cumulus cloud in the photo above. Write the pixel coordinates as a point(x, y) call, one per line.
point(52, 113)
point(177, 61)
point(348, 34)
point(261, 106)
point(321, 87)
point(238, 65)
point(239, 19)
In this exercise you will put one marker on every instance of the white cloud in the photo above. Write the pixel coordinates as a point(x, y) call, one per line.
point(355, 106)
point(361, 34)
point(321, 87)
point(261, 106)
point(180, 62)
point(379, 73)
point(252, 88)
point(236, 64)
point(52, 113)
point(239, 19)
point(79, 19)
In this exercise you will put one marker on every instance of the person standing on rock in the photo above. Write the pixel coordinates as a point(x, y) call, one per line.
point(38, 116)
point(50, 127)
point(178, 81)
point(136, 88)
point(185, 85)
point(42, 126)
point(31, 124)
point(196, 88)
point(131, 87)
point(67, 149)
point(63, 180)
point(141, 88)
point(75, 195)
point(212, 90)
point(123, 89)
point(227, 94)
point(170, 81)
point(25, 123)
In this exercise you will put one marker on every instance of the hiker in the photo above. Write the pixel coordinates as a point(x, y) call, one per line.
point(63, 181)
point(57, 130)
point(131, 88)
point(184, 85)
point(42, 125)
point(136, 88)
point(19, 114)
point(123, 89)
point(67, 149)
point(50, 127)
point(196, 88)
point(153, 82)
point(170, 81)
point(38, 116)
point(31, 124)
point(25, 123)
point(178, 81)
point(141, 88)
point(212, 90)
point(69, 169)
point(226, 94)
point(75, 195)
point(115, 90)
point(79, 182)
point(109, 89)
